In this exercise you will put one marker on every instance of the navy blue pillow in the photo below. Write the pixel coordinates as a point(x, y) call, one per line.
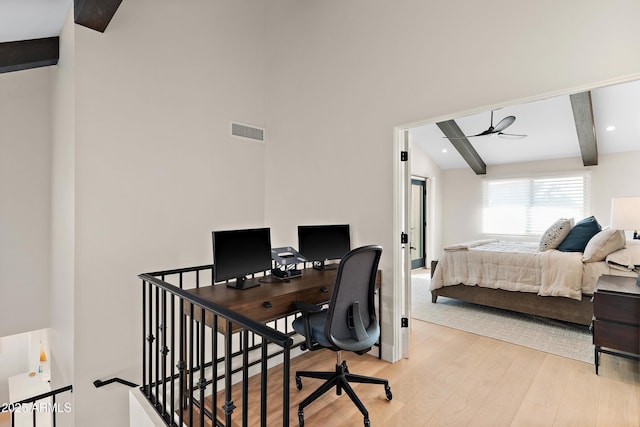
point(580, 235)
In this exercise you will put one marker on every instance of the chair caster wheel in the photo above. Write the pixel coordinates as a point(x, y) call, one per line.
point(301, 418)
point(367, 423)
point(387, 391)
point(298, 383)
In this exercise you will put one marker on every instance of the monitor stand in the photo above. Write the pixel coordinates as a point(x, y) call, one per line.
point(243, 283)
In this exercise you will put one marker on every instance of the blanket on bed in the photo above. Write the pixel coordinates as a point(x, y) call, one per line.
point(626, 259)
point(512, 266)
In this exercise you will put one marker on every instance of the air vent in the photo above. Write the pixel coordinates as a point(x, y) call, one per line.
point(244, 131)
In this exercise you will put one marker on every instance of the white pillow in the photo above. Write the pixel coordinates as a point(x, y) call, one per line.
point(602, 244)
point(555, 234)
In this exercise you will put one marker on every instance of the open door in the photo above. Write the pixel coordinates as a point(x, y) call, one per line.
point(418, 223)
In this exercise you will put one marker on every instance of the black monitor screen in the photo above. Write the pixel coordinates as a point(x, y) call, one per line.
point(323, 242)
point(237, 253)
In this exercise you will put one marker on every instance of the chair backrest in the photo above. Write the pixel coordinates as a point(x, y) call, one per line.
point(351, 318)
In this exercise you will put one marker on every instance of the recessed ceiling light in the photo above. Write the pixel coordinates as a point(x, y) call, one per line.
point(444, 150)
point(610, 128)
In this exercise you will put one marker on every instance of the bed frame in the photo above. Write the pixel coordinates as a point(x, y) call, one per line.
point(559, 308)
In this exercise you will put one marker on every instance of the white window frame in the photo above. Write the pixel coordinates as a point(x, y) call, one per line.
point(522, 220)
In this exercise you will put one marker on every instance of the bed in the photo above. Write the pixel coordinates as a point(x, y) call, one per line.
point(521, 277)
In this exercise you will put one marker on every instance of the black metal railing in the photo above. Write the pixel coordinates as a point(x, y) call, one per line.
point(102, 383)
point(45, 405)
point(197, 356)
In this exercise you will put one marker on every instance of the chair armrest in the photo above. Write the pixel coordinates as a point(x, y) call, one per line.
point(306, 307)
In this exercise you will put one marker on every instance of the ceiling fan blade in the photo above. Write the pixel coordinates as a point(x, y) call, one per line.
point(464, 137)
point(504, 123)
point(486, 132)
point(511, 135)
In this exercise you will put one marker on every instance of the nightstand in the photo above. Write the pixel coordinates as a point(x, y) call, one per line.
point(616, 317)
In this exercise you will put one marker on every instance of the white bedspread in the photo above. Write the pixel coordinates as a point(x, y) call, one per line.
point(512, 266)
point(561, 274)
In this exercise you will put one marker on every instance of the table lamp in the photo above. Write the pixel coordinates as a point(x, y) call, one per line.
point(625, 215)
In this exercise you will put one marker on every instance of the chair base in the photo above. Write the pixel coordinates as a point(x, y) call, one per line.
point(340, 378)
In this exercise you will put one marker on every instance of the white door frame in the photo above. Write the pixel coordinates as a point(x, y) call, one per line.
point(401, 252)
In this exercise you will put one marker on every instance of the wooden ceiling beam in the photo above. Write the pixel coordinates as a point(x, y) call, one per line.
point(95, 14)
point(457, 138)
point(585, 128)
point(26, 54)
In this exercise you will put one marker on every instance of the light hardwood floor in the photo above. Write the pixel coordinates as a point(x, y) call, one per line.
point(454, 378)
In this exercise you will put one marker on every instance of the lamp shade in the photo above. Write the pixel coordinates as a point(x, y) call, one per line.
point(625, 213)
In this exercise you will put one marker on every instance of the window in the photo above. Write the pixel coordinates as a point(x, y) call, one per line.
point(527, 206)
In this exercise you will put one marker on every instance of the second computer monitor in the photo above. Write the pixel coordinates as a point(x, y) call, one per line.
point(319, 243)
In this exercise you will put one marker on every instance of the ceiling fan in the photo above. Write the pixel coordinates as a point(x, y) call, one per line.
point(497, 129)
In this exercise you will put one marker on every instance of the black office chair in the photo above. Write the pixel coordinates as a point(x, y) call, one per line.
point(349, 323)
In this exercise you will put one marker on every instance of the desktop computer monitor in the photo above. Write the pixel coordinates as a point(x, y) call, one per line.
point(238, 253)
point(319, 243)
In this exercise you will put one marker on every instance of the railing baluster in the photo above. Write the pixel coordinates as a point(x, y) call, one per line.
point(214, 366)
point(190, 365)
point(181, 363)
point(228, 404)
point(150, 339)
point(173, 357)
point(144, 335)
point(157, 341)
point(263, 384)
point(245, 377)
point(286, 367)
point(163, 331)
point(202, 384)
point(53, 400)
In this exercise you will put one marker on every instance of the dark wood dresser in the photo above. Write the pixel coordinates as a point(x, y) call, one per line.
point(616, 317)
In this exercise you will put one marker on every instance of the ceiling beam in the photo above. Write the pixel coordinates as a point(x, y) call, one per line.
point(457, 138)
point(583, 117)
point(95, 14)
point(25, 54)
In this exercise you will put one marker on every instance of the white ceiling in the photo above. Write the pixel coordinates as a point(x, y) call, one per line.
point(32, 19)
point(549, 127)
point(548, 124)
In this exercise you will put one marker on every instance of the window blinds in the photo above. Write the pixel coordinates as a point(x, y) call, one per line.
point(528, 206)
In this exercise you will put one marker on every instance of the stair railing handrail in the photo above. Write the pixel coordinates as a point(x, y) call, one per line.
point(41, 396)
point(277, 337)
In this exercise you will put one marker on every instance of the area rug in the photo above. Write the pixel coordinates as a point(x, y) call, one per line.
point(560, 338)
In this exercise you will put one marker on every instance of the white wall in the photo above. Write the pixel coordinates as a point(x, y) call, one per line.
point(62, 210)
point(343, 74)
point(25, 125)
point(615, 175)
point(156, 168)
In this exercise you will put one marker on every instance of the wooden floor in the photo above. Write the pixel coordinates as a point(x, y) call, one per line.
point(454, 378)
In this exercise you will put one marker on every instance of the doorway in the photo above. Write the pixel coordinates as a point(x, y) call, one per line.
point(418, 222)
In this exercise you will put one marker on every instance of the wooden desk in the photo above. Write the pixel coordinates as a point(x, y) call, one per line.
point(271, 301)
